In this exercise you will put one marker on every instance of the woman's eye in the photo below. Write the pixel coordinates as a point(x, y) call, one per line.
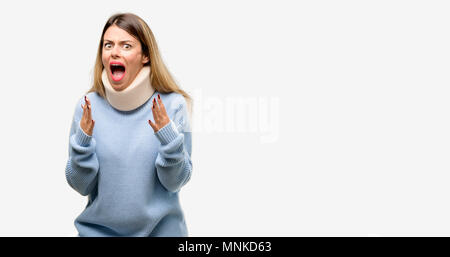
point(107, 45)
point(127, 46)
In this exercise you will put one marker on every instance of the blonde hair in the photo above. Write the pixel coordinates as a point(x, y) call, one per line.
point(160, 77)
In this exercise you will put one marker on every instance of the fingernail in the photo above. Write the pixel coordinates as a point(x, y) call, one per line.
point(159, 96)
point(84, 98)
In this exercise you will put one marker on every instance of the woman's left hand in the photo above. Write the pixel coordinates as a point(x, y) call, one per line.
point(159, 114)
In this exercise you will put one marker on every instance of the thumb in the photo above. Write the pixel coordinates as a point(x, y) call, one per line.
point(151, 124)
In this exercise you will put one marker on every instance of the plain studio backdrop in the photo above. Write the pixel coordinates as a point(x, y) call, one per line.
point(344, 128)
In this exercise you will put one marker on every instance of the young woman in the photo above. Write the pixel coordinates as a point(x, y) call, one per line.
point(130, 140)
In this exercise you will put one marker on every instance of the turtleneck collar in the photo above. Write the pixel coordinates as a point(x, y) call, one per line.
point(136, 94)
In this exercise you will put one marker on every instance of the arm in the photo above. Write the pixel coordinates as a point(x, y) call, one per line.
point(173, 163)
point(82, 166)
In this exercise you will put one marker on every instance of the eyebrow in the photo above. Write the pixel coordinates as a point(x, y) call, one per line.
point(124, 41)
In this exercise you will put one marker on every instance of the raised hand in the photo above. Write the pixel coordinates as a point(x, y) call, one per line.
point(86, 122)
point(159, 114)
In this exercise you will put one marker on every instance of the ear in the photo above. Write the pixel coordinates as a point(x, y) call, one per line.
point(145, 59)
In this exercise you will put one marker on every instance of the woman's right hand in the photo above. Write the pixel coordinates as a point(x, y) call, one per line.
point(87, 123)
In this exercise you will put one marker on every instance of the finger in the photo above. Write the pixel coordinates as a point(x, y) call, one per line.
point(87, 101)
point(156, 104)
point(92, 124)
point(155, 111)
point(89, 112)
point(152, 125)
point(162, 108)
point(84, 111)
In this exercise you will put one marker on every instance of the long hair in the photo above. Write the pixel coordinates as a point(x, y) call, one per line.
point(160, 77)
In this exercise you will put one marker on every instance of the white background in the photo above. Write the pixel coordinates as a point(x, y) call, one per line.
point(363, 86)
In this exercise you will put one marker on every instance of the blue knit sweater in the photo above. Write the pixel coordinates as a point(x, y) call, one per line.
point(131, 174)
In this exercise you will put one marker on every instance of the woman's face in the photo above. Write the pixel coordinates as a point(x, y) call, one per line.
point(122, 57)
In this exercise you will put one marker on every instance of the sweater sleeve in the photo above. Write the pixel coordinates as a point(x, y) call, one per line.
point(173, 163)
point(82, 165)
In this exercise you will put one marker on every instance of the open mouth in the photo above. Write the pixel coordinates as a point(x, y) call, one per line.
point(117, 70)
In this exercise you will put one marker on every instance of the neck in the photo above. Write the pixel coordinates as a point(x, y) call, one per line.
point(136, 94)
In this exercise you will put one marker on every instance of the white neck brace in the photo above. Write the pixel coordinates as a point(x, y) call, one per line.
point(136, 94)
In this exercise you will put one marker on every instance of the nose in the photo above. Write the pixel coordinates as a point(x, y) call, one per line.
point(115, 51)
